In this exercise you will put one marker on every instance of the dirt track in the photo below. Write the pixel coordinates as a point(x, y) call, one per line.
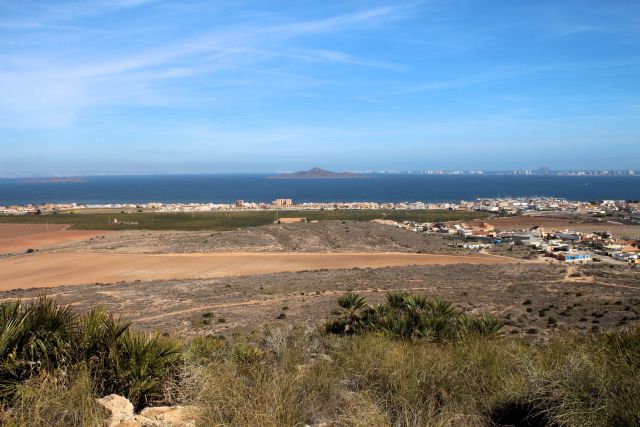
point(56, 269)
point(16, 238)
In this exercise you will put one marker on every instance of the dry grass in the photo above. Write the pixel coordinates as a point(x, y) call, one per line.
point(293, 376)
point(53, 400)
point(297, 378)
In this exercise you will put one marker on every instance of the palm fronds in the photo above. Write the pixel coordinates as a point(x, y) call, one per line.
point(409, 317)
point(41, 336)
point(351, 301)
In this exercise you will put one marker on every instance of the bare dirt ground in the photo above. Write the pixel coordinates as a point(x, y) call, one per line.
point(260, 278)
point(55, 269)
point(17, 238)
point(526, 222)
point(324, 236)
point(532, 298)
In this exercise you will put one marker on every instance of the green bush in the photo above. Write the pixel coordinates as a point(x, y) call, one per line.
point(41, 337)
point(409, 317)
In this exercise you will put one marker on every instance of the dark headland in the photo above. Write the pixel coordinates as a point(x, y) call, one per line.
point(317, 173)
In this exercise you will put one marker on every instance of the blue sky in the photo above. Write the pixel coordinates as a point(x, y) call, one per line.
point(238, 86)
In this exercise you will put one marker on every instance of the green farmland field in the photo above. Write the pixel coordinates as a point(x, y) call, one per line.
point(224, 220)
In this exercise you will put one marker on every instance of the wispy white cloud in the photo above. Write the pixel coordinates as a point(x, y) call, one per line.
point(333, 56)
point(62, 14)
point(232, 80)
point(40, 90)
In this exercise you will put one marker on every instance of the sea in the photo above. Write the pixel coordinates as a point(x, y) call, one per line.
point(262, 188)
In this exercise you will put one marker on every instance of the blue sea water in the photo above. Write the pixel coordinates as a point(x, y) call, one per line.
point(260, 188)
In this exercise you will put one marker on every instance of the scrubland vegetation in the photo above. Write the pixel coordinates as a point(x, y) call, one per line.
point(226, 220)
point(408, 362)
point(42, 340)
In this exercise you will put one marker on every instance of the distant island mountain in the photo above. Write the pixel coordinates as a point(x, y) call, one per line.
point(317, 173)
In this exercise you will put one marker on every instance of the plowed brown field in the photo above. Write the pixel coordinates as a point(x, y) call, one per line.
point(68, 268)
point(20, 237)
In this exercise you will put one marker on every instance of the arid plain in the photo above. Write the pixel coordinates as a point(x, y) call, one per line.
point(201, 282)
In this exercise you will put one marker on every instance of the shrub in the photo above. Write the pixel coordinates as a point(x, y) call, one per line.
point(296, 376)
point(484, 325)
point(139, 368)
point(409, 317)
point(246, 354)
point(41, 337)
point(352, 316)
point(34, 337)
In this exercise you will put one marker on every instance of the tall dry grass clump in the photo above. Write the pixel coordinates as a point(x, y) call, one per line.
point(55, 400)
point(411, 361)
point(587, 380)
point(269, 382)
point(376, 379)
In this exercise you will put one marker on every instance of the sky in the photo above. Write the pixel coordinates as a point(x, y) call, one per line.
point(154, 86)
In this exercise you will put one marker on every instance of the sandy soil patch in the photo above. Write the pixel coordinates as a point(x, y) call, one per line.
point(55, 269)
point(525, 222)
point(20, 237)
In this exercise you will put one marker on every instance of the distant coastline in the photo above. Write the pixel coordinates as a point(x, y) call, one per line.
point(260, 188)
point(318, 173)
point(52, 180)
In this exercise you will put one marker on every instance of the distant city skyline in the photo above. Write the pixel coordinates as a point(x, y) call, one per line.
point(529, 171)
point(162, 86)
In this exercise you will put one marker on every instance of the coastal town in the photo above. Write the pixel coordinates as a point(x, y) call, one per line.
point(567, 241)
point(626, 210)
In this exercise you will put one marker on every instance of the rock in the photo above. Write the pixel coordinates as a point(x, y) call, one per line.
point(171, 416)
point(121, 414)
point(119, 409)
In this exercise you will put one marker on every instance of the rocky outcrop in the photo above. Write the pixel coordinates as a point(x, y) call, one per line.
point(118, 409)
point(120, 414)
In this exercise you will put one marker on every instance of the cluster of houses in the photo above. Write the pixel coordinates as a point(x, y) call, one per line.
point(627, 209)
point(36, 209)
point(239, 205)
point(564, 245)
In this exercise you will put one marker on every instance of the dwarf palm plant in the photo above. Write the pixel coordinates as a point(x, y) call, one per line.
point(33, 337)
point(352, 315)
point(351, 301)
point(440, 308)
point(396, 300)
point(140, 366)
point(41, 337)
point(410, 317)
